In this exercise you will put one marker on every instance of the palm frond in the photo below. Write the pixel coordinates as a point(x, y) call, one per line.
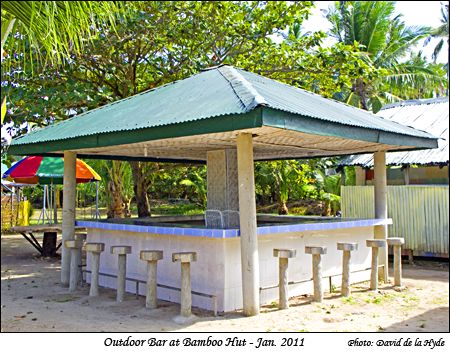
point(60, 28)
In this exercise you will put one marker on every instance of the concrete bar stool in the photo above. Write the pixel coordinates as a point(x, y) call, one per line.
point(397, 250)
point(122, 251)
point(317, 252)
point(75, 250)
point(186, 300)
point(347, 248)
point(284, 255)
point(152, 257)
point(82, 238)
point(95, 249)
point(375, 244)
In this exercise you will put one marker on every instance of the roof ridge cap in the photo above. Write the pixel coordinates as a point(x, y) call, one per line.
point(243, 89)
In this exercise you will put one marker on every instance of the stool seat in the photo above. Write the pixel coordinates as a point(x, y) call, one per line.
point(151, 255)
point(184, 256)
point(376, 243)
point(347, 246)
point(395, 241)
point(95, 247)
point(121, 249)
point(284, 253)
point(73, 244)
point(315, 250)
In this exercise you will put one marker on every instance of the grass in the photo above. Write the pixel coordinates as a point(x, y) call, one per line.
point(349, 300)
point(157, 210)
point(180, 209)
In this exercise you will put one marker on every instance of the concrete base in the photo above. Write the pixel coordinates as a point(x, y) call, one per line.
point(183, 320)
point(217, 270)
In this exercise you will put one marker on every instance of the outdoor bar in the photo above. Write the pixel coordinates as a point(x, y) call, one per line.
point(228, 118)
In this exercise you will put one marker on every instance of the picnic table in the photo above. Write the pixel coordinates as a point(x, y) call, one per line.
point(48, 247)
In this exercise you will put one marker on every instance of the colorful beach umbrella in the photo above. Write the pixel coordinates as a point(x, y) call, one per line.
point(47, 170)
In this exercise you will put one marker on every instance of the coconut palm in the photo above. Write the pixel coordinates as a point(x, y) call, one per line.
point(387, 40)
point(57, 28)
point(440, 32)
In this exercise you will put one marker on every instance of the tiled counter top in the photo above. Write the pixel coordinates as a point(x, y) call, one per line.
point(196, 231)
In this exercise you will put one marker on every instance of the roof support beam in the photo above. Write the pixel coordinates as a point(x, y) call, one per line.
point(381, 211)
point(247, 220)
point(68, 217)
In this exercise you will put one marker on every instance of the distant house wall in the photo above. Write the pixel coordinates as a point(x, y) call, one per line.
point(432, 175)
point(419, 214)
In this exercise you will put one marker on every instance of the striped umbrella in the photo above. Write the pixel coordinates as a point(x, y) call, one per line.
point(47, 170)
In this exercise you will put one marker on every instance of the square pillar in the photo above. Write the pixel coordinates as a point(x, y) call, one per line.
point(247, 220)
point(68, 217)
point(360, 176)
point(380, 184)
point(222, 180)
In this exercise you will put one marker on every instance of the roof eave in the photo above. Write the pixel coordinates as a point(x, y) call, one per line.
point(295, 122)
point(222, 123)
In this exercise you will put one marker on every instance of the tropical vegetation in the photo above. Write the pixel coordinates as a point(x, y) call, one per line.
point(99, 52)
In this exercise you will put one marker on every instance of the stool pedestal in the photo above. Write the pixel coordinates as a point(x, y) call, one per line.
point(317, 252)
point(185, 258)
point(284, 255)
point(152, 257)
point(375, 244)
point(122, 252)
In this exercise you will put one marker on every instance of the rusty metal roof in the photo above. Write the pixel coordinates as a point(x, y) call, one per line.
point(430, 115)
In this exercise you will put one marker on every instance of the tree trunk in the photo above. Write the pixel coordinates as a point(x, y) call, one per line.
point(140, 189)
point(117, 203)
point(115, 207)
point(282, 208)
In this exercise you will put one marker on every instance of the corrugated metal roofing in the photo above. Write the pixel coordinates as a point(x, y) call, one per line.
point(221, 91)
point(431, 115)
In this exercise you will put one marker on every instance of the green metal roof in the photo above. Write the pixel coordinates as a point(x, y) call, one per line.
point(220, 99)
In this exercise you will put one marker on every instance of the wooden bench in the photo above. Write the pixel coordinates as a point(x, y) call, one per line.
point(49, 245)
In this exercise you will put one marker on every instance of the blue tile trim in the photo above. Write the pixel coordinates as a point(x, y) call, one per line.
point(234, 233)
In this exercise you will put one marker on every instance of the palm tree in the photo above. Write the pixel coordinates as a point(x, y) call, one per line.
point(440, 32)
point(57, 28)
point(386, 40)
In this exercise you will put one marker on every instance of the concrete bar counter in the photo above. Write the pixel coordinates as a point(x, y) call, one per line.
point(217, 270)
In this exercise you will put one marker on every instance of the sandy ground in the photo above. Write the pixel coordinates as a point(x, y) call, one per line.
point(33, 300)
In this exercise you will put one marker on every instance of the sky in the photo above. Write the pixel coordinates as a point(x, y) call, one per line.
point(415, 13)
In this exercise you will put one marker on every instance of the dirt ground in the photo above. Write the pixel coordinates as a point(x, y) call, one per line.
point(33, 300)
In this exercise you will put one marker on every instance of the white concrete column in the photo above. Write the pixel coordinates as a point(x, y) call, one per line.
point(380, 184)
point(68, 221)
point(247, 220)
